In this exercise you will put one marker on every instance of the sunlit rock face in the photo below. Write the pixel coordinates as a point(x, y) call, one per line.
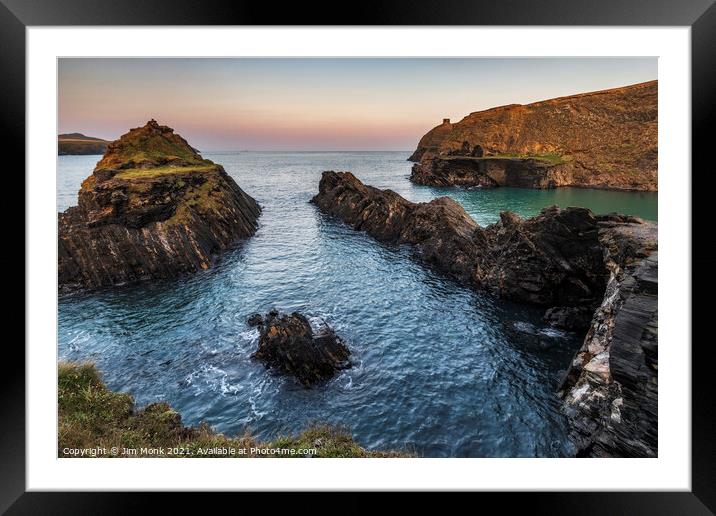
point(603, 139)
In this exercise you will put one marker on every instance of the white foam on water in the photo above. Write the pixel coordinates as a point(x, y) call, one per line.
point(553, 332)
point(524, 327)
point(216, 379)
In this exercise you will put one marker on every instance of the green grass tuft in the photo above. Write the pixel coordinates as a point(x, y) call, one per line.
point(149, 173)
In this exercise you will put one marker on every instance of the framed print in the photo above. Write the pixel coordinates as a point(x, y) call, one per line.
point(413, 250)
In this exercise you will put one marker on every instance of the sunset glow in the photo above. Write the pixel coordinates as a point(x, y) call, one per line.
point(315, 103)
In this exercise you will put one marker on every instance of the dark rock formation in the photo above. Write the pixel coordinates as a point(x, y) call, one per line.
point(554, 259)
point(603, 139)
point(610, 390)
point(592, 271)
point(153, 208)
point(488, 172)
point(288, 344)
point(569, 317)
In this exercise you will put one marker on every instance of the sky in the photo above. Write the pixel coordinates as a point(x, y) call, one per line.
point(315, 103)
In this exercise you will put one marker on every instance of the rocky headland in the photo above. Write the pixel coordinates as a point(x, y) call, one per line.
point(152, 208)
point(287, 343)
point(594, 273)
point(79, 144)
point(604, 139)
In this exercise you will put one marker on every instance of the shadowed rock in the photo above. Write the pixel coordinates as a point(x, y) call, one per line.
point(553, 259)
point(593, 271)
point(153, 208)
point(287, 343)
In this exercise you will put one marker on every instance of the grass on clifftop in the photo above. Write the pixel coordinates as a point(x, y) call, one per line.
point(136, 173)
point(551, 157)
point(92, 417)
point(151, 144)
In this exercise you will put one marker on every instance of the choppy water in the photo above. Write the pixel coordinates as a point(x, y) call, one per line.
point(439, 369)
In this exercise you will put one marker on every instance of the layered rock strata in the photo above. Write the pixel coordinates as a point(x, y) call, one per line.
point(610, 391)
point(152, 208)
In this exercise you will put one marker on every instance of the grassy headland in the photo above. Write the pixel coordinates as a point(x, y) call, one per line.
point(92, 417)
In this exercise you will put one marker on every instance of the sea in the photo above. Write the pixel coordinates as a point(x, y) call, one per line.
point(439, 369)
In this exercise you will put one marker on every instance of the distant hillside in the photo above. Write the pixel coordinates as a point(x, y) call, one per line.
point(603, 139)
point(78, 143)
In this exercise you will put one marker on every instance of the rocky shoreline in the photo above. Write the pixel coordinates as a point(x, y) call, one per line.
point(153, 208)
point(568, 260)
point(489, 172)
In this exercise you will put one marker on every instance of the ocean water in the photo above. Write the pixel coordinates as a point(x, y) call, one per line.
point(439, 369)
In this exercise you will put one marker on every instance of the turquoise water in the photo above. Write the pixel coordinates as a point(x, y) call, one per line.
point(439, 369)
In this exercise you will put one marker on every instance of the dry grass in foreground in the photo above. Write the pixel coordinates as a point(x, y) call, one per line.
point(97, 422)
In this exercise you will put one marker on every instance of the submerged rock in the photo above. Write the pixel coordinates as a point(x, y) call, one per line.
point(593, 271)
point(288, 344)
point(601, 139)
point(152, 208)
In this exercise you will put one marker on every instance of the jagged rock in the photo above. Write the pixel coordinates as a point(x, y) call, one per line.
point(153, 208)
point(287, 343)
point(569, 259)
point(255, 320)
point(554, 259)
point(610, 390)
point(601, 139)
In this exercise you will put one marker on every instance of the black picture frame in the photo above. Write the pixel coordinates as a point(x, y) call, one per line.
point(700, 15)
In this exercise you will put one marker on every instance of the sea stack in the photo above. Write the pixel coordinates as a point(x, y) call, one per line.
point(152, 208)
point(603, 139)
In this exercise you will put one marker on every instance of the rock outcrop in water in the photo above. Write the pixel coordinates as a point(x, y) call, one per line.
point(288, 343)
point(604, 139)
point(152, 208)
point(570, 260)
point(554, 259)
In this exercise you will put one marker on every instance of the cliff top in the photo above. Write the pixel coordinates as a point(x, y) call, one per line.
point(149, 150)
point(78, 137)
point(568, 98)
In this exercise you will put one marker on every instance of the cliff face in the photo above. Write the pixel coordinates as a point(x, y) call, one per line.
point(603, 139)
point(430, 143)
point(610, 391)
point(152, 208)
point(596, 271)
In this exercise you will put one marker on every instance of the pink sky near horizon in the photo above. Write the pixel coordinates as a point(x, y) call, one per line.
point(315, 103)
